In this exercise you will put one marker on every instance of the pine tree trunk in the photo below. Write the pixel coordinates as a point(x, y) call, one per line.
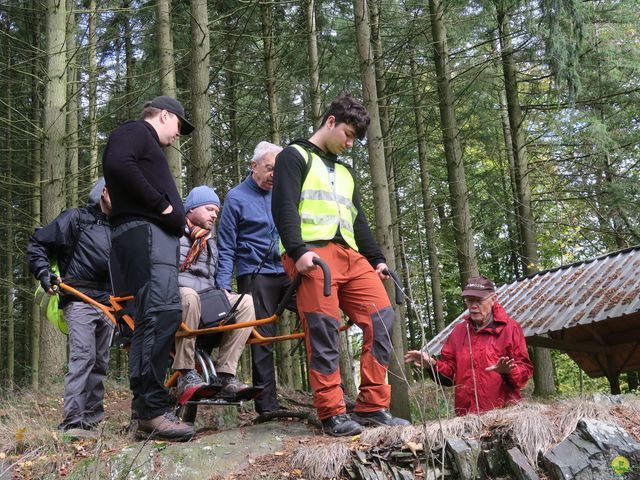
point(52, 342)
point(514, 236)
point(463, 233)
point(71, 177)
point(282, 348)
point(35, 164)
point(542, 361)
point(8, 278)
point(234, 135)
point(168, 79)
point(427, 203)
point(128, 60)
point(266, 15)
point(93, 93)
point(314, 66)
point(347, 373)
point(201, 106)
point(384, 234)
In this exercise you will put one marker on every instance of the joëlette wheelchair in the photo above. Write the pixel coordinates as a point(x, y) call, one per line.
point(120, 312)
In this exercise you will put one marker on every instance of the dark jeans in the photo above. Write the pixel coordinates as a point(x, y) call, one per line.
point(147, 258)
point(267, 291)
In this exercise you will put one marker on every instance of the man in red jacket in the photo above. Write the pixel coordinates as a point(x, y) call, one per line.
point(485, 356)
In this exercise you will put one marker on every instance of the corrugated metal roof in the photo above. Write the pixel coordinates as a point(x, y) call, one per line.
point(582, 293)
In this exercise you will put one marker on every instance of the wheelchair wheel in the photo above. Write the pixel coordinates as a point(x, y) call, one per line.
point(187, 413)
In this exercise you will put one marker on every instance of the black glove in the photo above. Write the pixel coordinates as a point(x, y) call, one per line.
point(47, 279)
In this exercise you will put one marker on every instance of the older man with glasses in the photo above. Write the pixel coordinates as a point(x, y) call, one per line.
point(485, 356)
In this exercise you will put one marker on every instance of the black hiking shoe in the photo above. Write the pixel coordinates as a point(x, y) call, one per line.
point(379, 418)
point(341, 426)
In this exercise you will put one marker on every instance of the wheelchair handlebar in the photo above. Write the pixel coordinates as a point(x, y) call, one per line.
point(397, 284)
point(326, 288)
point(326, 291)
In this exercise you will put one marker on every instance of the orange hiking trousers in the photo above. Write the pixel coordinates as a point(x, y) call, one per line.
point(357, 290)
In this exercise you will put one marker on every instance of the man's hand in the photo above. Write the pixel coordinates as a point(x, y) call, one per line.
point(503, 367)
point(305, 263)
point(167, 210)
point(47, 280)
point(419, 359)
point(381, 269)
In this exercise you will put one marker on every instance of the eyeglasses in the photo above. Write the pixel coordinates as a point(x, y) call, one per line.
point(475, 300)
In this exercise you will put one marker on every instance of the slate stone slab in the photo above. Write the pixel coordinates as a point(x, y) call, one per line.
point(595, 450)
point(520, 466)
point(464, 457)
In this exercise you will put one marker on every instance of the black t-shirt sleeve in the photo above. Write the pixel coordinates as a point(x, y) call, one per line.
point(287, 184)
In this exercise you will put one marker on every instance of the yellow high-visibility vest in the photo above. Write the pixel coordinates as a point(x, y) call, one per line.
point(325, 206)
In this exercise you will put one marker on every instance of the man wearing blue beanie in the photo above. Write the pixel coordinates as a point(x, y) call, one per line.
point(200, 196)
point(198, 265)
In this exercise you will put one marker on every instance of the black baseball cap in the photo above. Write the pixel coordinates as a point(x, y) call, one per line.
point(170, 104)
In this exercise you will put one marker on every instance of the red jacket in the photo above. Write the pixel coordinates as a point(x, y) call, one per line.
point(467, 352)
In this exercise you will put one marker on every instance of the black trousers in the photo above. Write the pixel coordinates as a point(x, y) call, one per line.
point(267, 290)
point(147, 259)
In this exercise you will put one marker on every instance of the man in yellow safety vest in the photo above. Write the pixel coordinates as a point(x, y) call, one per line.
point(316, 209)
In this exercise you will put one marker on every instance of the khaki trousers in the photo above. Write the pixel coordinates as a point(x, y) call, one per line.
point(232, 343)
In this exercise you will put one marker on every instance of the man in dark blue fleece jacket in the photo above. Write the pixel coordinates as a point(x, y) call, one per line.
point(147, 218)
point(246, 234)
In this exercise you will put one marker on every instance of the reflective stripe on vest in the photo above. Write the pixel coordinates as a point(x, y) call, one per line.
point(324, 207)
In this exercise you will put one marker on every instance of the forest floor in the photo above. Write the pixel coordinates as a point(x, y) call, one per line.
point(31, 446)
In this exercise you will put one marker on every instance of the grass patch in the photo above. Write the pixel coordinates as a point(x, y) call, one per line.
point(31, 445)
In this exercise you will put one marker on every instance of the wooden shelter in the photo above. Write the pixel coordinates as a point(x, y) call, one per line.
point(589, 309)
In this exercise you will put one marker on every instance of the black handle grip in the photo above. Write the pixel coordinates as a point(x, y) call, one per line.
point(398, 285)
point(326, 290)
point(327, 275)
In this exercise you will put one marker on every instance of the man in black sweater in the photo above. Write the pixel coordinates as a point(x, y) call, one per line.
point(147, 218)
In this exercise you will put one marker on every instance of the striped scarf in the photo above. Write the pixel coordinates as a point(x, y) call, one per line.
point(199, 237)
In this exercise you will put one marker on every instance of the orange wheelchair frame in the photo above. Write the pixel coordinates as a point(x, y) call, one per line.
point(115, 313)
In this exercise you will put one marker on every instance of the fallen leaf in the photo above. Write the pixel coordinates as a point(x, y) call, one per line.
point(278, 454)
point(20, 434)
point(414, 447)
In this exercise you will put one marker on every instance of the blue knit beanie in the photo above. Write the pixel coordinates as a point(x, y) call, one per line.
point(202, 195)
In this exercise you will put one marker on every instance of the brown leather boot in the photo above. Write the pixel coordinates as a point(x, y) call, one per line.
point(165, 427)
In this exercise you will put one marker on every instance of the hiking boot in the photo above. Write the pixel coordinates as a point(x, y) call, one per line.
point(341, 426)
point(379, 418)
point(188, 379)
point(64, 427)
point(231, 385)
point(165, 427)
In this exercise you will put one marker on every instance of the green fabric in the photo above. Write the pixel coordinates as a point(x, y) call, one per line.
point(50, 304)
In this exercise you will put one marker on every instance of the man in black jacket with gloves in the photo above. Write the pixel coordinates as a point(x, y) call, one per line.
point(80, 240)
point(147, 219)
